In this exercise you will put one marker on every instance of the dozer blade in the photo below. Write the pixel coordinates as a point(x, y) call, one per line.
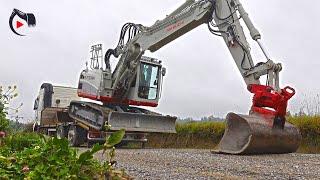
point(96, 116)
point(254, 134)
point(142, 122)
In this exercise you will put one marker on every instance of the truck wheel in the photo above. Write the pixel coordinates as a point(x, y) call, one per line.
point(35, 128)
point(76, 135)
point(62, 132)
point(143, 145)
point(90, 144)
point(121, 144)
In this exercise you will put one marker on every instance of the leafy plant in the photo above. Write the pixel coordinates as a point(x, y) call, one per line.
point(33, 156)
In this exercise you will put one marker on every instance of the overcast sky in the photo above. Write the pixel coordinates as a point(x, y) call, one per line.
point(201, 79)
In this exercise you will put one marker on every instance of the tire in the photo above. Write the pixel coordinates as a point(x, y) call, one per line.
point(76, 135)
point(122, 144)
point(35, 128)
point(62, 132)
point(90, 144)
point(42, 131)
point(143, 145)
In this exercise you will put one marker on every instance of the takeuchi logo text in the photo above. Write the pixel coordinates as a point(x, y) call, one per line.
point(175, 26)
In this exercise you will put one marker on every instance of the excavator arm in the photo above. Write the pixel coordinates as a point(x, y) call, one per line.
point(223, 19)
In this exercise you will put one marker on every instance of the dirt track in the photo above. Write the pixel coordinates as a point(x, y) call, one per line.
point(201, 164)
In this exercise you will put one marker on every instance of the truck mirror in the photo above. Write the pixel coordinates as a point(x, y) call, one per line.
point(58, 101)
point(36, 104)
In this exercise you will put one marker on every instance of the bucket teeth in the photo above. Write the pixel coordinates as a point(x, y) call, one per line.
point(255, 134)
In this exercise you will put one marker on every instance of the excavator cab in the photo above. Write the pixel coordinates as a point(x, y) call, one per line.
point(96, 82)
point(146, 89)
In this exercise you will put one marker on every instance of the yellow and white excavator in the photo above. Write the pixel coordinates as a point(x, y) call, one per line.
point(136, 81)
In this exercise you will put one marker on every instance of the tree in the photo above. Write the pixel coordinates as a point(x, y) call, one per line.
point(4, 122)
point(5, 97)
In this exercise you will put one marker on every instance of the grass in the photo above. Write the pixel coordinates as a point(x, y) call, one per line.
point(309, 127)
point(189, 135)
point(208, 135)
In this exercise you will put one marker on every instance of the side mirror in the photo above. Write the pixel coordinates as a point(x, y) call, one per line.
point(36, 104)
point(58, 101)
point(163, 71)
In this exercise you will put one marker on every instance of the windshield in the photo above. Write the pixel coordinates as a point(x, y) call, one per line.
point(148, 83)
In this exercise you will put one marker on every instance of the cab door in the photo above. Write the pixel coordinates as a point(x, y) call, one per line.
point(148, 87)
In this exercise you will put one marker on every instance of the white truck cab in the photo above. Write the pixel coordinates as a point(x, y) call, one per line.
point(51, 104)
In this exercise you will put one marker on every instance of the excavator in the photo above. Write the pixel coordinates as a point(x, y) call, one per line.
point(137, 80)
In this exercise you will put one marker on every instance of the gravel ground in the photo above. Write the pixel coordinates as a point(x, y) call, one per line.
point(201, 164)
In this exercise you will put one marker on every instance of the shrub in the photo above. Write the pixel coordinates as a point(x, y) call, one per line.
point(189, 135)
point(19, 141)
point(309, 127)
point(203, 129)
point(32, 156)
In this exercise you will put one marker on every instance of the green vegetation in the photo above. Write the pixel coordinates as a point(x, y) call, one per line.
point(309, 127)
point(4, 122)
point(190, 135)
point(206, 129)
point(6, 95)
point(32, 156)
point(204, 134)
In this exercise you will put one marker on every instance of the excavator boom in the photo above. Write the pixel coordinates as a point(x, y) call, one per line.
point(264, 130)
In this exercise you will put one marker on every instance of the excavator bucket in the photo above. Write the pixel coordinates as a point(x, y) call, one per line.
point(255, 134)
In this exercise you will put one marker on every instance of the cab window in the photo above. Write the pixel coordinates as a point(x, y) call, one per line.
point(148, 81)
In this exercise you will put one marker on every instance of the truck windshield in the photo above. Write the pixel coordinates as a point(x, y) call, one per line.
point(148, 83)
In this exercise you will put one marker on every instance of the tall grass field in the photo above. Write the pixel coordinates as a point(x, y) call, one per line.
point(208, 134)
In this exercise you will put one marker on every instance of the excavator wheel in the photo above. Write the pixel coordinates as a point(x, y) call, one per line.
point(256, 134)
